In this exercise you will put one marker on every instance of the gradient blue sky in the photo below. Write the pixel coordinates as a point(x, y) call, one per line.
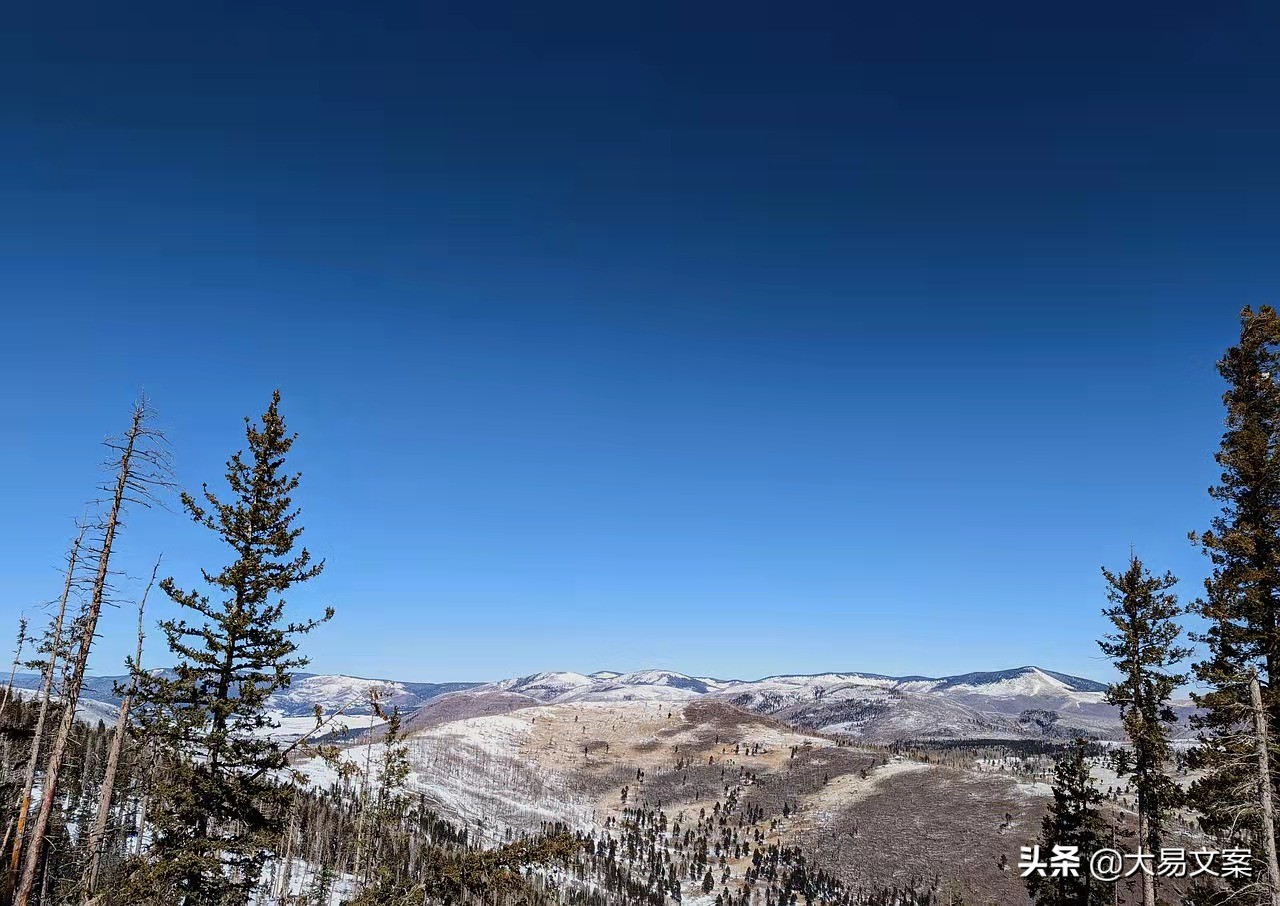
point(733, 338)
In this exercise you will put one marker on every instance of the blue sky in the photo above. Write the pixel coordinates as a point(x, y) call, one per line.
point(738, 339)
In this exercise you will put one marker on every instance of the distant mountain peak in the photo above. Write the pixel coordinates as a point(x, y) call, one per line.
point(1031, 677)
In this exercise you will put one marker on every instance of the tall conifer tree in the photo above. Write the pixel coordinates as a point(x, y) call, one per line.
point(1242, 601)
point(216, 805)
point(1144, 649)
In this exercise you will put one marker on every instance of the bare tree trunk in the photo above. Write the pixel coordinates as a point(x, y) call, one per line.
point(143, 802)
point(128, 478)
point(1262, 743)
point(113, 759)
point(1148, 880)
point(55, 646)
point(283, 880)
point(44, 880)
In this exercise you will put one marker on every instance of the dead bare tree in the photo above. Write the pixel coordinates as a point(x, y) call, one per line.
point(46, 694)
point(142, 467)
point(284, 867)
point(98, 832)
point(1268, 823)
point(1245, 755)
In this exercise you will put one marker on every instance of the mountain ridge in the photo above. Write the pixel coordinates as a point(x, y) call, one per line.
point(30, 680)
point(1019, 702)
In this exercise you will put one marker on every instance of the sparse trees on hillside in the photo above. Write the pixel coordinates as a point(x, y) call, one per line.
point(1144, 650)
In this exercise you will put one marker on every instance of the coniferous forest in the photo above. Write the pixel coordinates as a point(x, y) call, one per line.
point(189, 799)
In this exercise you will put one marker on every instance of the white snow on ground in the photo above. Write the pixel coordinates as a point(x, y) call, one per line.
point(292, 728)
point(473, 770)
point(632, 694)
point(1033, 790)
point(302, 882)
point(849, 788)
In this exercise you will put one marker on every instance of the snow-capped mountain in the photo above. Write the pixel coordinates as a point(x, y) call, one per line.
point(350, 694)
point(1021, 681)
point(1021, 703)
point(344, 699)
point(1024, 702)
point(1018, 703)
point(607, 685)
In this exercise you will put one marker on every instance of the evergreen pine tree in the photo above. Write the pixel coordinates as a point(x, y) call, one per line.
point(1144, 650)
point(395, 768)
point(23, 638)
point(1242, 603)
point(321, 892)
point(1073, 820)
point(215, 807)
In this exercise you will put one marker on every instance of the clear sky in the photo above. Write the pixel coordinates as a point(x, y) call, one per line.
point(733, 338)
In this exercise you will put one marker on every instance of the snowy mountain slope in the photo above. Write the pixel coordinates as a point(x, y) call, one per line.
point(333, 692)
point(330, 691)
point(561, 762)
point(293, 708)
point(466, 704)
point(548, 687)
point(1020, 681)
point(587, 762)
point(483, 772)
point(88, 710)
point(653, 685)
point(607, 685)
point(972, 705)
point(1024, 702)
point(880, 713)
